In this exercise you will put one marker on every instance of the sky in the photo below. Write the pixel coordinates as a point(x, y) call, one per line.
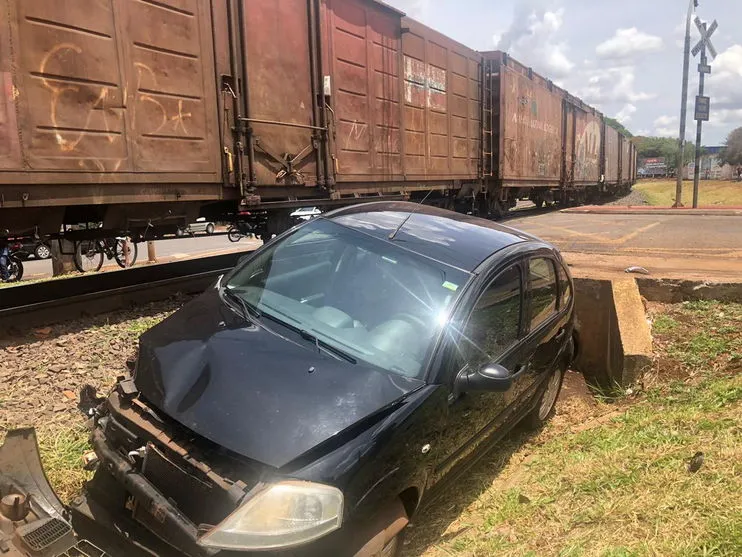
point(625, 57)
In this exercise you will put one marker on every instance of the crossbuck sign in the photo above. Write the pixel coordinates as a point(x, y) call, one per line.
point(705, 38)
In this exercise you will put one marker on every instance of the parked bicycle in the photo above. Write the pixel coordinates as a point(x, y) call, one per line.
point(89, 254)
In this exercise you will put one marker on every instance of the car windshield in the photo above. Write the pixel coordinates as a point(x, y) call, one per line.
point(363, 297)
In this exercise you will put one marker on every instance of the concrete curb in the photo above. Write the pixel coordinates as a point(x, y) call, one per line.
point(670, 211)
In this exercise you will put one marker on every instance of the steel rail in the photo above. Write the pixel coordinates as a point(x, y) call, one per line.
point(55, 301)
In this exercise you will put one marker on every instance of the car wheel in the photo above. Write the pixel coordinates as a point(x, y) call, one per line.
point(210, 229)
point(42, 251)
point(546, 404)
point(179, 232)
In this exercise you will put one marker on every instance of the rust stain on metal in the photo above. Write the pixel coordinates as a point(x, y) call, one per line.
point(611, 154)
point(531, 126)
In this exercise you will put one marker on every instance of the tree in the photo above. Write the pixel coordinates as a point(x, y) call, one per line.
point(618, 126)
point(732, 152)
point(651, 147)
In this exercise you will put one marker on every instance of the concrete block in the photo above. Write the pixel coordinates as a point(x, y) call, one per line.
point(633, 330)
point(614, 339)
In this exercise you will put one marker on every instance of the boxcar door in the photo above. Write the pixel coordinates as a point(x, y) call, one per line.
point(278, 62)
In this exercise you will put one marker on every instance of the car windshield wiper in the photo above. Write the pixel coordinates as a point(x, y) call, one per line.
point(250, 312)
point(307, 335)
point(326, 346)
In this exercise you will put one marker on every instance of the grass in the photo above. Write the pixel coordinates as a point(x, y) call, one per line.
point(618, 487)
point(710, 193)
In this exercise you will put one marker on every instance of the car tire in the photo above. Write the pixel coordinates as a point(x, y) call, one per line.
point(546, 404)
point(209, 229)
point(42, 251)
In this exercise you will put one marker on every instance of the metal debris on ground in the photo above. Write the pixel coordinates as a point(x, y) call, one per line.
point(639, 270)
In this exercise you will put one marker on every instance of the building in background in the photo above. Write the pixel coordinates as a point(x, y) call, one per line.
point(711, 167)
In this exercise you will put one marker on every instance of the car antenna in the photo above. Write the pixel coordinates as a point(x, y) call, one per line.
point(408, 217)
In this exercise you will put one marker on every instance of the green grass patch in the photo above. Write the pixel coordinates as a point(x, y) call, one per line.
point(710, 193)
point(621, 487)
point(61, 454)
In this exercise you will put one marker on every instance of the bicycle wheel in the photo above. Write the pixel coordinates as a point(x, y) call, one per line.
point(234, 234)
point(15, 270)
point(88, 256)
point(119, 253)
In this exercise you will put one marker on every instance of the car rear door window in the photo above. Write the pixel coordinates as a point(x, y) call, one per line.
point(494, 324)
point(543, 289)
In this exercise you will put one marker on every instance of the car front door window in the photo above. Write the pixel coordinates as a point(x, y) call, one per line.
point(494, 325)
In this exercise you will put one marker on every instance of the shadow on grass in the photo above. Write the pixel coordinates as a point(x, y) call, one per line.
point(430, 524)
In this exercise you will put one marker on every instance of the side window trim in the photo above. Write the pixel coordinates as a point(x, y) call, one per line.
point(562, 271)
point(529, 296)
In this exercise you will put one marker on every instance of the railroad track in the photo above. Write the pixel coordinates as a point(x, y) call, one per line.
point(44, 303)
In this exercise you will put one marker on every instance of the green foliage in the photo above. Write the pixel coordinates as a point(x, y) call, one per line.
point(650, 147)
point(732, 152)
point(618, 126)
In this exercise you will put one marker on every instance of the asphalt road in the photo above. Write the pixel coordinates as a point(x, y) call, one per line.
point(659, 235)
point(166, 250)
point(684, 243)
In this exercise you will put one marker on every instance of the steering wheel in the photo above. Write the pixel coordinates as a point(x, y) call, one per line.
point(412, 319)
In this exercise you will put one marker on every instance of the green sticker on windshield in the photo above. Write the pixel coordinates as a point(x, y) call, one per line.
point(451, 286)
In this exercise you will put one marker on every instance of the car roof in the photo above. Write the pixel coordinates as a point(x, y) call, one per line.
point(459, 240)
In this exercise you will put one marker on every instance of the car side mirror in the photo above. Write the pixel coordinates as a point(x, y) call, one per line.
point(490, 377)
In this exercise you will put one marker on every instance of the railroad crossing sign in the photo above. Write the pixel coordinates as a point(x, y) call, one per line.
point(705, 38)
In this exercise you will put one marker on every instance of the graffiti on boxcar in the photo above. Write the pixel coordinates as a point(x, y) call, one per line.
point(356, 133)
point(587, 151)
point(97, 99)
point(165, 120)
point(68, 141)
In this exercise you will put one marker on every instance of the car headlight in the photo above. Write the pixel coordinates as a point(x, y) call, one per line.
point(282, 515)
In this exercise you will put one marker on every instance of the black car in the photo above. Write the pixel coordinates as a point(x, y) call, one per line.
point(30, 247)
point(313, 398)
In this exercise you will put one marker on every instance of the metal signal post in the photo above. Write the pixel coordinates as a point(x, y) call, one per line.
point(703, 104)
point(683, 107)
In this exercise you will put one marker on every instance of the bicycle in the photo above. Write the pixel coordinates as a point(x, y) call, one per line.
point(89, 254)
point(15, 265)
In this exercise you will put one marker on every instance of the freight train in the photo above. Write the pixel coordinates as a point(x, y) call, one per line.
point(141, 114)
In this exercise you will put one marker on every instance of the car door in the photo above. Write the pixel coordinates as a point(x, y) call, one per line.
point(544, 321)
point(492, 329)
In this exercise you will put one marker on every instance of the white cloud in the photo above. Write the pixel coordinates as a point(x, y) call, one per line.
point(666, 126)
point(627, 43)
point(612, 85)
point(533, 38)
point(417, 9)
point(624, 115)
point(724, 85)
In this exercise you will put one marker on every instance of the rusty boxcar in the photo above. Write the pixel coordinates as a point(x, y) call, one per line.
point(138, 114)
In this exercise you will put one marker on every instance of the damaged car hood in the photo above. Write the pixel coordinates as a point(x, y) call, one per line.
point(251, 390)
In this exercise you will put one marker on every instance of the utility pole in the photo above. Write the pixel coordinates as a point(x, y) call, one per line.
point(703, 104)
point(684, 107)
